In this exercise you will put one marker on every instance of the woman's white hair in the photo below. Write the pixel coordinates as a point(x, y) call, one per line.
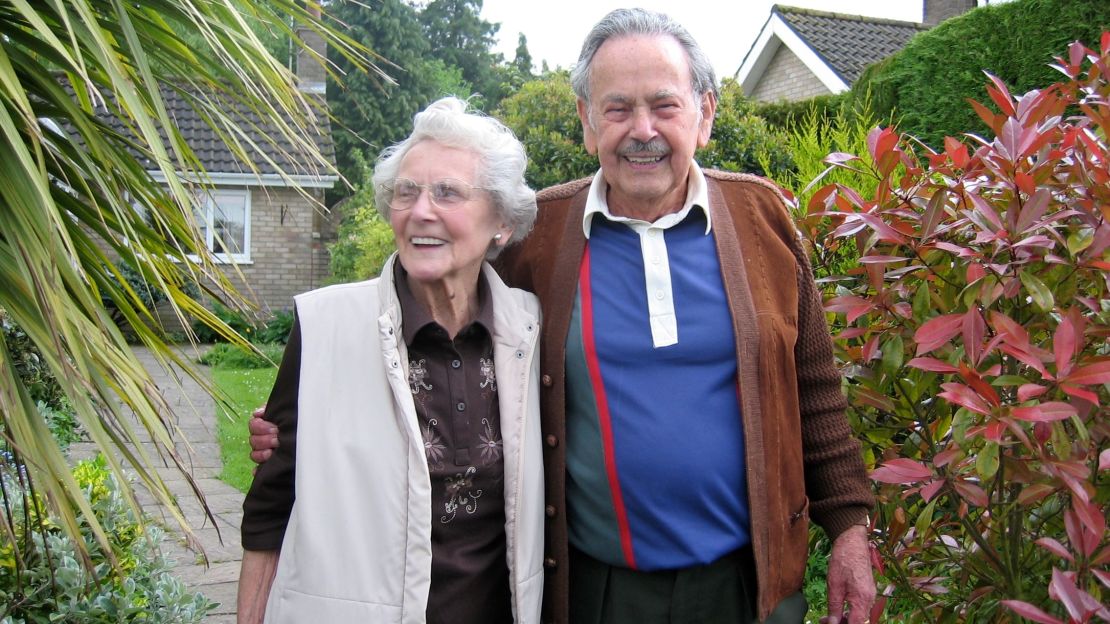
point(501, 161)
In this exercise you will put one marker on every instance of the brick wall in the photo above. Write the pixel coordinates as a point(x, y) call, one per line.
point(289, 254)
point(787, 78)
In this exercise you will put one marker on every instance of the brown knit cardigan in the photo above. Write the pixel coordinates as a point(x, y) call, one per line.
point(801, 457)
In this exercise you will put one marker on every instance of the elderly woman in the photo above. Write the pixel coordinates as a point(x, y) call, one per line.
point(409, 407)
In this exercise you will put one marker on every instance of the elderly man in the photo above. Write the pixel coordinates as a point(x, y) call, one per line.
point(691, 409)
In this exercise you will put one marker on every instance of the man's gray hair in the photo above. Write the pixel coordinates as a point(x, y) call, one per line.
point(630, 22)
point(501, 160)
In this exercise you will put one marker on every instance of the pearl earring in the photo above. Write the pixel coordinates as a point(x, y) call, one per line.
point(497, 236)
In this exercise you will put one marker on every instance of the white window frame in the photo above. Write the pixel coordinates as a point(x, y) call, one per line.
point(209, 200)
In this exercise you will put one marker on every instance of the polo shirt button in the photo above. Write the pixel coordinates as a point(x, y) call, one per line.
point(519, 355)
point(461, 406)
point(659, 294)
point(551, 440)
point(455, 363)
point(549, 563)
point(550, 511)
point(547, 381)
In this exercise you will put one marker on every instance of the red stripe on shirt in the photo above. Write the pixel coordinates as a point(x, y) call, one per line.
point(594, 368)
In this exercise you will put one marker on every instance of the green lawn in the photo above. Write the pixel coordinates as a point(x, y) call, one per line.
point(247, 388)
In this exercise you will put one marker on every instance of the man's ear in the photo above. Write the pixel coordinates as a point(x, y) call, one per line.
point(589, 137)
point(708, 111)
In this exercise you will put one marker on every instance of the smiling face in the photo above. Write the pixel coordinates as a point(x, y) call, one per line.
point(643, 123)
point(444, 248)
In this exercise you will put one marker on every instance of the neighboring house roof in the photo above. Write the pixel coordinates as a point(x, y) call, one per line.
point(835, 47)
point(269, 150)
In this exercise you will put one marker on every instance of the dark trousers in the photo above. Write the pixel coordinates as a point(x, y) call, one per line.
point(722, 592)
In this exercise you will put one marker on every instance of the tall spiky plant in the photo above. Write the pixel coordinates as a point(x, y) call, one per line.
point(70, 185)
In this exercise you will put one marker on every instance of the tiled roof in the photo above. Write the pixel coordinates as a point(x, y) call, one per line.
point(214, 154)
point(848, 43)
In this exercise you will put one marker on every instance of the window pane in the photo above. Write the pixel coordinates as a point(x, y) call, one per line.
point(229, 223)
point(200, 214)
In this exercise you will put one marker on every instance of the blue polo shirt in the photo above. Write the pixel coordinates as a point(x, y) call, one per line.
point(655, 463)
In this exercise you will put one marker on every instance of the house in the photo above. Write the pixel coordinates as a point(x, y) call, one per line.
point(269, 231)
point(801, 53)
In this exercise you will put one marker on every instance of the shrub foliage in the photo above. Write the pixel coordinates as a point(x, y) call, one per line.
point(42, 578)
point(974, 338)
point(927, 84)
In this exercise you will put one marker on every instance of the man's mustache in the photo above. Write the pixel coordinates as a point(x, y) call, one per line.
point(654, 146)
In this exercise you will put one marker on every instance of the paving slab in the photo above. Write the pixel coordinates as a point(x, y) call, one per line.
point(209, 562)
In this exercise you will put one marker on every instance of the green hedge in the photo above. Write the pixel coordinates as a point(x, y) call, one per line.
point(927, 84)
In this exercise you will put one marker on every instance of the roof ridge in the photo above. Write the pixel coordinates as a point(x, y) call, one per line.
point(784, 9)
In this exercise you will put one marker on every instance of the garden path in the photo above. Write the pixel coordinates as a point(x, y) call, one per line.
point(195, 414)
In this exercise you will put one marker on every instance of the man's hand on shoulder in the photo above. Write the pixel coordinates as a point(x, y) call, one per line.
point(851, 585)
point(263, 435)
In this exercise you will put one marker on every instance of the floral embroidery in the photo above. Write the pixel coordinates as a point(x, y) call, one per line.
point(490, 442)
point(489, 377)
point(418, 373)
point(433, 445)
point(460, 494)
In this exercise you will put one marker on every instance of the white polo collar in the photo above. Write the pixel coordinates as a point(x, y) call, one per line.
point(653, 247)
point(697, 196)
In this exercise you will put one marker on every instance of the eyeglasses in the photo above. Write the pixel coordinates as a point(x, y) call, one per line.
point(447, 194)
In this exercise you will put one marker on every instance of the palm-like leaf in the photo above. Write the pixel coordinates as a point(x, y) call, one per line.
point(69, 185)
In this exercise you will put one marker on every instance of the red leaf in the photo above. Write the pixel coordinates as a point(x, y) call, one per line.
point(880, 142)
point(1092, 526)
point(1079, 604)
point(957, 151)
point(1091, 374)
point(870, 349)
point(984, 208)
point(1001, 96)
point(977, 384)
point(930, 490)
point(1079, 393)
point(989, 117)
point(936, 332)
point(932, 365)
point(1025, 183)
point(901, 471)
point(962, 395)
point(974, 329)
point(881, 228)
point(1014, 333)
point(853, 306)
point(852, 332)
point(1027, 358)
point(975, 272)
point(1044, 412)
point(993, 431)
point(1055, 547)
point(1063, 346)
point(1030, 391)
point(877, 259)
point(1029, 612)
point(946, 456)
point(1033, 493)
point(972, 493)
point(1033, 209)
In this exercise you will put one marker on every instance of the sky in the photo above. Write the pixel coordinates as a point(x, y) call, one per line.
point(725, 29)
